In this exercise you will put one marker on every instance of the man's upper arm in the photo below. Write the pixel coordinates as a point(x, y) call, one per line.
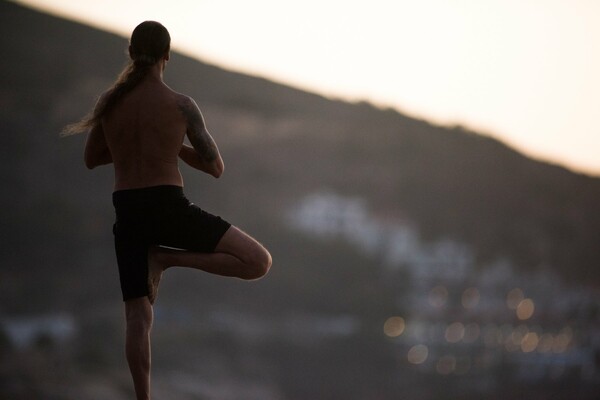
point(196, 130)
point(96, 149)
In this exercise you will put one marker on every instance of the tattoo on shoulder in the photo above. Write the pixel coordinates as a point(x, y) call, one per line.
point(196, 129)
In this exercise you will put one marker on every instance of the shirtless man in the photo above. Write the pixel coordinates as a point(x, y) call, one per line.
point(139, 125)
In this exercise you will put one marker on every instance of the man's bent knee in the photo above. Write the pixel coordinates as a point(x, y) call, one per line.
point(259, 263)
point(264, 264)
point(257, 260)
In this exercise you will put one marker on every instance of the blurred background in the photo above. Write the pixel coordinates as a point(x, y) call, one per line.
point(425, 179)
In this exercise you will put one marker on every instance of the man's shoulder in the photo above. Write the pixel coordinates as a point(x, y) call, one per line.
point(182, 99)
point(176, 97)
point(186, 103)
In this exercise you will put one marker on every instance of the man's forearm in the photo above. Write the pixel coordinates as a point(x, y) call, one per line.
point(96, 151)
point(189, 155)
point(95, 160)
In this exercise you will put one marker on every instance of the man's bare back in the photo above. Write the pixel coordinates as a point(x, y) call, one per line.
point(143, 136)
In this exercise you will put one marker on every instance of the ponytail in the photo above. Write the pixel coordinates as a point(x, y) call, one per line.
point(149, 43)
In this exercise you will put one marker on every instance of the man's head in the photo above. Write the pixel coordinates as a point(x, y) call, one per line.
point(150, 42)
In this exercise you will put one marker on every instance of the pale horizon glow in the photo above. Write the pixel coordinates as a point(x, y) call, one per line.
point(524, 72)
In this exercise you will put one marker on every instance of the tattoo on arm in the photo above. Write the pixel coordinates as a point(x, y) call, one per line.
point(199, 137)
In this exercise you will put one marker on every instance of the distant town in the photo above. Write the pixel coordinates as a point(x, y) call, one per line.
point(457, 317)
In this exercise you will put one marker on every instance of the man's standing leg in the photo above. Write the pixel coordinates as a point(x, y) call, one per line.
point(139, 318)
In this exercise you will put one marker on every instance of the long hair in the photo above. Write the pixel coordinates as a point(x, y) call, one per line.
point(149, 42)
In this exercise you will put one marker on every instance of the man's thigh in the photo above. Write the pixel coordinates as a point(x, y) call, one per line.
point(241, 245)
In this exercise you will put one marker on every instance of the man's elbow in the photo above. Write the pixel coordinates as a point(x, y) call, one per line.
point(218, 170)
point(93, 162)
point(89, 163)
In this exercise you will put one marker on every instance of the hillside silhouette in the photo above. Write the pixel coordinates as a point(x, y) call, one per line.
point(280, 146)
point(280, 143)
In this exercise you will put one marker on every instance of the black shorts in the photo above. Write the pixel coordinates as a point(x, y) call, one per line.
point(158, 216)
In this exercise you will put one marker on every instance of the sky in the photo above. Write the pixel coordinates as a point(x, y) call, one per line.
point(522, 71)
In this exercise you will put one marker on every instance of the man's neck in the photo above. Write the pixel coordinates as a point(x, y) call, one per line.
point(156, 72)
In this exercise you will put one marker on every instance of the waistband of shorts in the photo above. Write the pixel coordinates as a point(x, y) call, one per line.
point(148, 194)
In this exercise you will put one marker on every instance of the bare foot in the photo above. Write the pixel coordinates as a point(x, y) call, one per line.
point(155, 270)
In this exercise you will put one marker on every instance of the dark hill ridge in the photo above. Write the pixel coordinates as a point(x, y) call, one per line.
point(313, 327)
point(278, 143)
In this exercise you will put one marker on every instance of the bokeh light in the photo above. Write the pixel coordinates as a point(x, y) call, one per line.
point(394, 326)
point(525, 309)
point(418, 354)
point(529, 342)
point(446, 364)
point(545, 343)
point(470, 298)
point(455, 332)
point(562, 340)
point(438, 296)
